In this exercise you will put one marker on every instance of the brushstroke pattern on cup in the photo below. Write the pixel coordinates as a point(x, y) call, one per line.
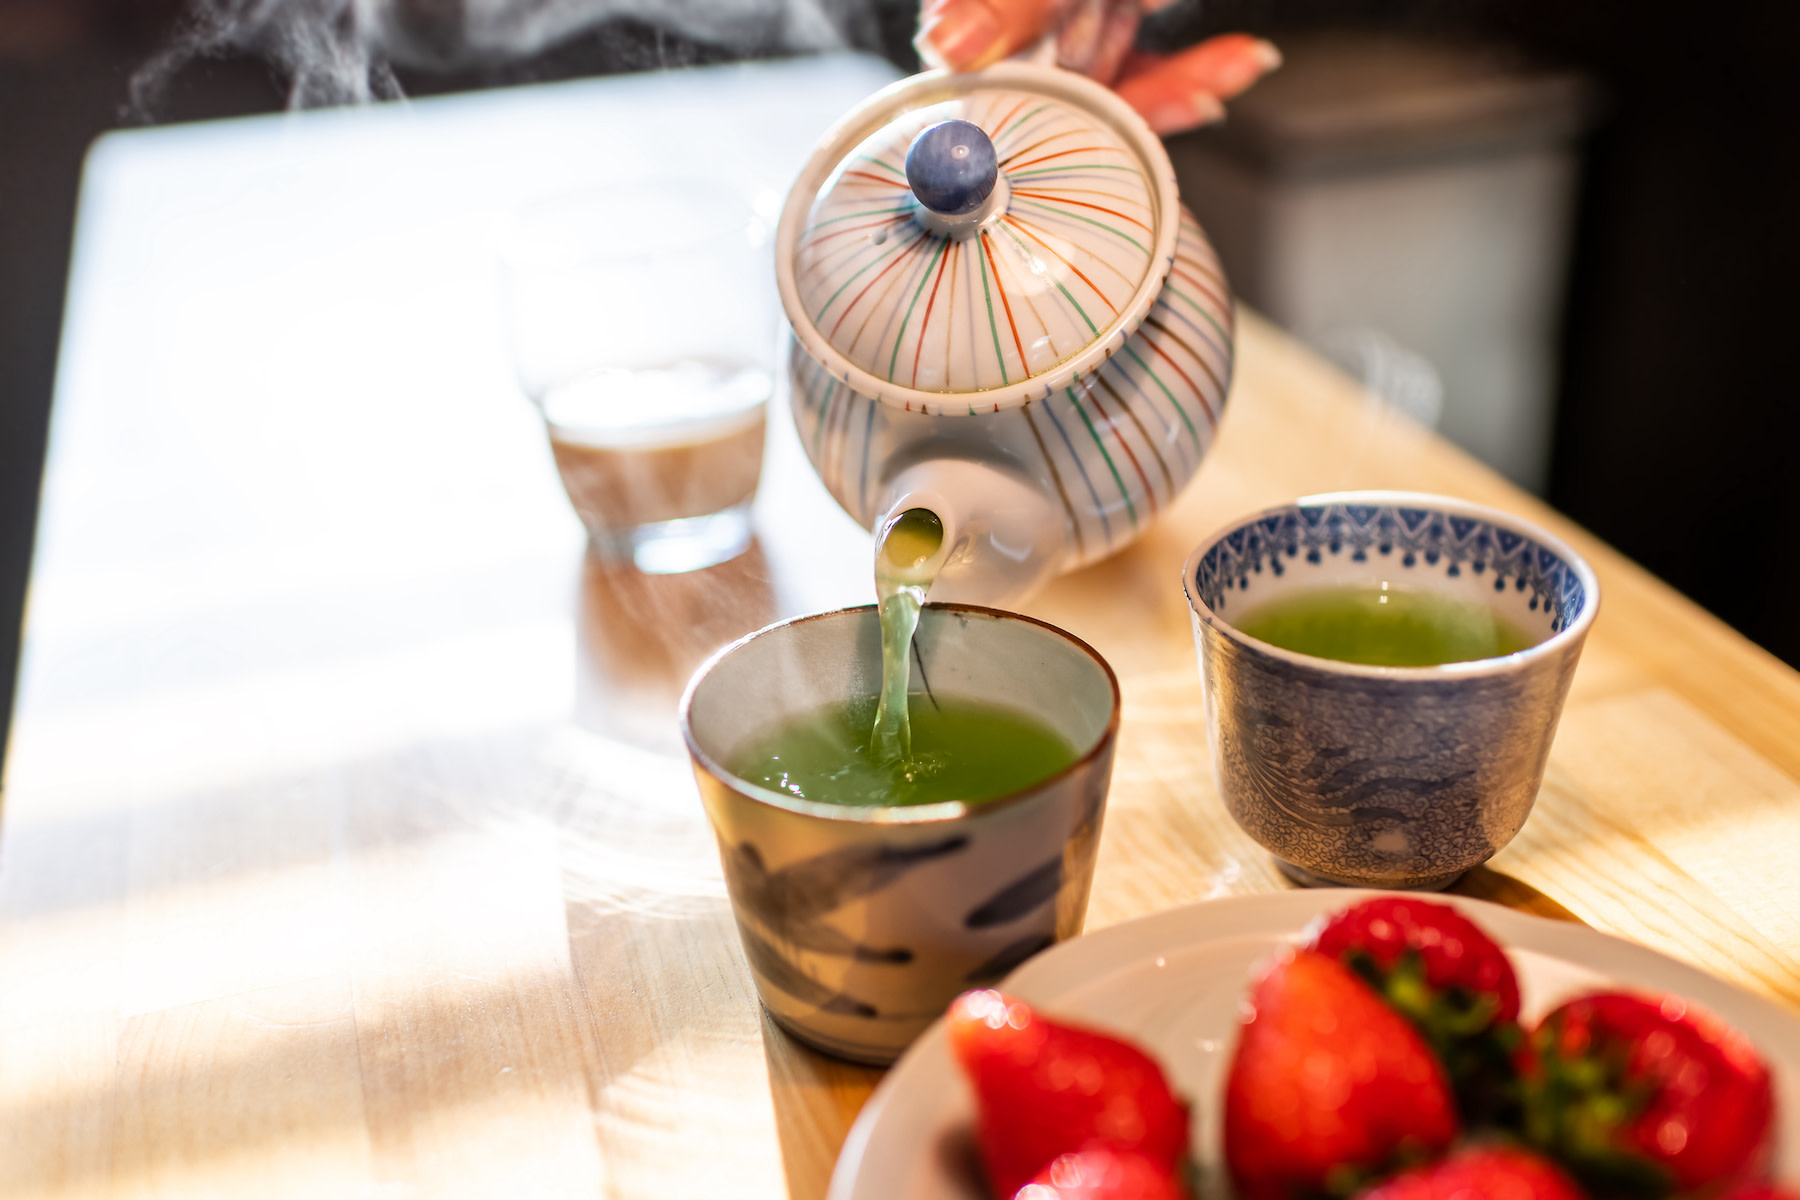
point(861, 923)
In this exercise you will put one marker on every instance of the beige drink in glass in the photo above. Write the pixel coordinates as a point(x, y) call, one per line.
point(671, 494)
point(641, 322)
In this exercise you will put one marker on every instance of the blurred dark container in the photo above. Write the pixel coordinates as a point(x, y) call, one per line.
point(1415, 190)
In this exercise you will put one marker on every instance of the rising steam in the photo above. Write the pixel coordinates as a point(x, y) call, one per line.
point(346, 51)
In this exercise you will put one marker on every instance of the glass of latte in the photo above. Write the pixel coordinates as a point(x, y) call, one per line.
point(641, 323)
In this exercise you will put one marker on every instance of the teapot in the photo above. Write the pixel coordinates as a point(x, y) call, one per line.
point(1000, 313)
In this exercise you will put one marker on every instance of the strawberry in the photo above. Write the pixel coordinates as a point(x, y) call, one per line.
point(1496, 1173)
point(1643, 1096)
point(1451, 952)
point(1328, 1085)
point(1102, 1173)
point(1764, 1191)
point(1044, 1088)
point(1442, 973)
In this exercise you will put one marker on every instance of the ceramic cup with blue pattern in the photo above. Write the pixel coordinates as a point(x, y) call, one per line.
point(1401, 777)
point(862, 924)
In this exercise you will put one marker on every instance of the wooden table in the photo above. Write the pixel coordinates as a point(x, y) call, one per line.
point(348, 848)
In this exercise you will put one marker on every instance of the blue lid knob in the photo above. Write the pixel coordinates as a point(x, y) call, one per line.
point(951, 167)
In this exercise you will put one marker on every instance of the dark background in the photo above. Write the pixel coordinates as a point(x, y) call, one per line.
point(1676, 411)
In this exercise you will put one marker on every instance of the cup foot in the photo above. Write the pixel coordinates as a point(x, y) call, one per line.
point(867, 1056)
point(672, 547)
point(1306, 878)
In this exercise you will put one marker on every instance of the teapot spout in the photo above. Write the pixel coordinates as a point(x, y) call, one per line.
point(1003, 538)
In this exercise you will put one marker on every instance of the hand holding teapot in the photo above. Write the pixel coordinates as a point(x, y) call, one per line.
point(1094, 37)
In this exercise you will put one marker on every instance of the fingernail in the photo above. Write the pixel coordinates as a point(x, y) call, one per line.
point(962, 35)
point(1188, 112)
point(1242, 70)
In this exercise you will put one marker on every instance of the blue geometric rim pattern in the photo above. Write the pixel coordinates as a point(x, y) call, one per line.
point(1413, 537)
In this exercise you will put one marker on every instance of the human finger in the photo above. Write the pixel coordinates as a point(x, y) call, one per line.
point(966, 35)
point(1096, 38)
point(1186, 90)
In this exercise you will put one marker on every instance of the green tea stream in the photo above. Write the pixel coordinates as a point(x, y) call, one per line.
point(879, 750)
point(908, 544)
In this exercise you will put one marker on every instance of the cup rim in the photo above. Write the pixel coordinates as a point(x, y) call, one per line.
point(918, 814)
point(1571, 633)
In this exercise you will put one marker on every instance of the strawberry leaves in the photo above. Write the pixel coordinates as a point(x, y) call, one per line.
point(1440, 971)
point(1643, 1097)
point(1464, 1029)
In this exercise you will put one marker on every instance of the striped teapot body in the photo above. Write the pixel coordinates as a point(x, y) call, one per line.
point(1108, 452)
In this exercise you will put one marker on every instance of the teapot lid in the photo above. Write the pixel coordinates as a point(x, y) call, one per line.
point(968, 243)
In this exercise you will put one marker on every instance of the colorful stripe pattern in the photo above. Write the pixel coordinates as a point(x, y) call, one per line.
point(1114, 450)
point(1035, 286)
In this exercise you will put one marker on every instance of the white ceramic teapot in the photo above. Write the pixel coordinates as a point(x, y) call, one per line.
point(1002, 314)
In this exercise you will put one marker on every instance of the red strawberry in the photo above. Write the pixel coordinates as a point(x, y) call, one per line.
point(1645, 1095)
point(1452, 950)
point(1449, 979)
point(1328, 1085)
point(1102, 1173)
point(1491, 1174)
point(1764, 1191)
point(1044, 1089)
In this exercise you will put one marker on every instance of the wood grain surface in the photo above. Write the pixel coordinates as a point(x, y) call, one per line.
point(497, 959)
point(348, 848)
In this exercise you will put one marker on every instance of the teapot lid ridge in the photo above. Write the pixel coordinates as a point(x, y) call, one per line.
point(1011, 289)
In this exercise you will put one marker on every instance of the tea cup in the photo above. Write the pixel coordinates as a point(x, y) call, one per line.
point(1380, 776)
point(860, 924)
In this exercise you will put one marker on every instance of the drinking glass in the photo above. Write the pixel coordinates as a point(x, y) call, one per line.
point(641, 323)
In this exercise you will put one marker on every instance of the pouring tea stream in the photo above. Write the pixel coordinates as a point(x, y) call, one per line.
point(908, 554)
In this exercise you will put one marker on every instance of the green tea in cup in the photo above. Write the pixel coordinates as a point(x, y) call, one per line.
point(1383, 675)
point(866, 906)
point(1383, 625)
point(961, 750)
point(894, 748)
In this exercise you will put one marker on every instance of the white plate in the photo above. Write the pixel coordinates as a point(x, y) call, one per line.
point(1173, 982)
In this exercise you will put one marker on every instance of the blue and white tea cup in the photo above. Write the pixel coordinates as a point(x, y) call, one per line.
point(1372, 776)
